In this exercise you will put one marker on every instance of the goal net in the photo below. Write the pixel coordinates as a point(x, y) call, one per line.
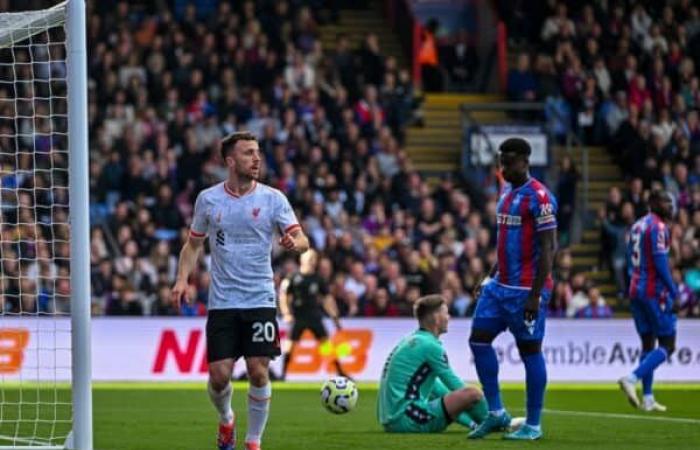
point(37, 279)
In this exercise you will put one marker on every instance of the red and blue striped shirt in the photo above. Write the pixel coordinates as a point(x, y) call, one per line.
point(649, 237)
point(522, 213)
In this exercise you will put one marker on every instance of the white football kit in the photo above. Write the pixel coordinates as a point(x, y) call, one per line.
point(240, 231)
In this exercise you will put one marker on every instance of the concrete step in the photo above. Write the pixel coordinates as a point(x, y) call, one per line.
point(437, 132)
point(598, 276)
point(456, 100)
point(609, 292)
point(436, 167)
point(592, 235)
point(417, 149)
point(599, 185)
point(427, 141)
point(584, 261)
point(603, 160)
point(585, 249)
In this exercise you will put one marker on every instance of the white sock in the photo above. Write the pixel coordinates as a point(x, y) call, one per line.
point(222, 402)
point(498, 412)
point(258, 409)
point(632, 378)
point(648, 398)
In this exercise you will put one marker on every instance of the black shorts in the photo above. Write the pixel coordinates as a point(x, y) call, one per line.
point(232, 333)
point(315, 326)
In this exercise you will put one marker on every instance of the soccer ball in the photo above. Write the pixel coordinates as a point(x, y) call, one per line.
point(339, 395)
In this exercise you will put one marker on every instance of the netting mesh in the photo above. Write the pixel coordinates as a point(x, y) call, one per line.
point(35, 359)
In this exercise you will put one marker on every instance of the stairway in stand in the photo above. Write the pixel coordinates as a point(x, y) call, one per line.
point(356, 24)
point(603, 174)
point(436, 147)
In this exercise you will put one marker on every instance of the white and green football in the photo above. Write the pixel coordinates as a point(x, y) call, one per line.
point(339, 395)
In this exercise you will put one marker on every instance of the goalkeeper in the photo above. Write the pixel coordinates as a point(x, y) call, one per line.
point(418, 391)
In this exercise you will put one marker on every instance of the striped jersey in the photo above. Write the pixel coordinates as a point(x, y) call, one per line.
point(413, 370)
point(521, 214)
point(649, 236)
point(241, 230)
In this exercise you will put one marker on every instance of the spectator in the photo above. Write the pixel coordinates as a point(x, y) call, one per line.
point(431, 74)
point(566, 196)
point(596, 307)
point(522, 84)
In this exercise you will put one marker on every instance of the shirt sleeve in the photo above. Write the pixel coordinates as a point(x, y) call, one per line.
point(437, 359)
point(544, 209)
point(660, 239)
point(285, 219)
point(200, 219)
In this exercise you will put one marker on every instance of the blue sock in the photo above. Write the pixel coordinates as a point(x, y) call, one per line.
point(653, 360)
point(487, 368)
point(648, 379)
point(536, 380)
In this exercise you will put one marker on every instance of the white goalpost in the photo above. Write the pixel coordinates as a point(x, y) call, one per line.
point(45, 356)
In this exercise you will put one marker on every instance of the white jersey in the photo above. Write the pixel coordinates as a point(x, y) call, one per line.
point(241, 230)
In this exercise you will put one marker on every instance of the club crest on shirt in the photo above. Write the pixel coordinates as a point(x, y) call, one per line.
point(256, 211)
point(218, 217)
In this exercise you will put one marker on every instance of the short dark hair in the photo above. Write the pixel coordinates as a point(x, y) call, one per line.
point(657, 195)
point(517, 146)
point(427, 305)
point(228, 143)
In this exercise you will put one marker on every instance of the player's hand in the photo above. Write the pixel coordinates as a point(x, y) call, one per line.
point(479, 287)
point(532, 309)
point(287, 241)
point(676, 306)
point(287, 318)
point(179, 293)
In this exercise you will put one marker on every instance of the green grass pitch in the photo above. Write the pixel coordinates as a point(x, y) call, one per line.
point(178, 416)
point(170, 417)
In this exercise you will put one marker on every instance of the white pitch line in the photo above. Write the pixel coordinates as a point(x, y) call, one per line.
point(622, 416)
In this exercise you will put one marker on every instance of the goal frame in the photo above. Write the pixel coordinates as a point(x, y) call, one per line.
point(81, 434)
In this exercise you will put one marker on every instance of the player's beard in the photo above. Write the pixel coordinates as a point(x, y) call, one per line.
point(248, 175)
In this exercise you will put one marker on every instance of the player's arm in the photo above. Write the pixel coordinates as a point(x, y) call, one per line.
point(331, 309)
point(480, 285)
point(190, 251)
point(285, 300)
point(437, 359)
point(548, 242)
point(188, 259)
point(662, 261)
point(295, 240)
point(545, 210)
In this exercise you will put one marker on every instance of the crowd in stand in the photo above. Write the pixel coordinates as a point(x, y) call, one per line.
point(623, 75)
point(165, 89)
point(166, 85)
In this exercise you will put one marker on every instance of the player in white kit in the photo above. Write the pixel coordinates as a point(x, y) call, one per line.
point(240, 217)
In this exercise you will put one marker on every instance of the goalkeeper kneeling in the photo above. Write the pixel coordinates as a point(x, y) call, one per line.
point(418, 391)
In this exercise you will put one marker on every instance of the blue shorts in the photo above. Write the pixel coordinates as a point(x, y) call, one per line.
point(651, 318)
point(501, 307)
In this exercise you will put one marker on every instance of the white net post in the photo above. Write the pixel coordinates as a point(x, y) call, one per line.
point(45, 399)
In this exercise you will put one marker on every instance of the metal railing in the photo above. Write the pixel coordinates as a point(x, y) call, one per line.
point(532, 113)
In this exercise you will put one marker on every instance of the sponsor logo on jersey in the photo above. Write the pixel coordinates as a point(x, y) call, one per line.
point(506, 219)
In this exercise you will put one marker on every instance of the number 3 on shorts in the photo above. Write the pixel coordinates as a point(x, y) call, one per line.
point(263, 332)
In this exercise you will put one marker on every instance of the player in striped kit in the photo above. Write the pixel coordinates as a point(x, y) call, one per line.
point(240, 216)
point(515, 296)
point(653, 296)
